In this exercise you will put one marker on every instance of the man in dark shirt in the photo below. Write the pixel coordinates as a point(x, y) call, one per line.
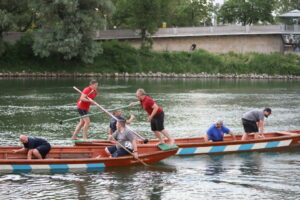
point(113, 121)
point(36, 147)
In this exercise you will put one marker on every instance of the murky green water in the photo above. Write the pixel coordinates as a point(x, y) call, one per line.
point(34, 107)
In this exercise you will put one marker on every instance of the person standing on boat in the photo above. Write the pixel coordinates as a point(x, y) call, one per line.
point(156, 116)
point(123, 138)
point(253, 122)
point(83, 106)
point(33, 146)
point(216, 132)
point(113, 121)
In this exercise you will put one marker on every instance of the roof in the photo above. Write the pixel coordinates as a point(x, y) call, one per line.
point(291, 14)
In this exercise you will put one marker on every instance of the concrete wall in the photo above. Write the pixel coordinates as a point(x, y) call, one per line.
point(219, 44)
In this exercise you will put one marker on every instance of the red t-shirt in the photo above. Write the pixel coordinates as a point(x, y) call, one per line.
point(91, 94)
point(147, 104)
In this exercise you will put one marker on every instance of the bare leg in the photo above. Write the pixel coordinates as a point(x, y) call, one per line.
point(106, 151)
point(37, 154)
point(256, 135)
point(245, 136)
point(77, 129)
point(167, 134)
point(85, 127)
point(157, 134)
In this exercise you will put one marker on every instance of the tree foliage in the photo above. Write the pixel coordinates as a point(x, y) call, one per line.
point(246, 11)
point(284, 6)
point(68, 27)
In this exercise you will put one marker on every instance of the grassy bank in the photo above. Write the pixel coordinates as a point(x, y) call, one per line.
point(120, 57)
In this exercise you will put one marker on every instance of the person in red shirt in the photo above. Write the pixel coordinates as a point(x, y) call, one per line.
point(83, 106)
point(156, 116)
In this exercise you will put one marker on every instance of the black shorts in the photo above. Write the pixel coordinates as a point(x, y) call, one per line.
point(157, 123)
point(115, 152)
point(82, 112)
point(44, 149)
point(250, 126)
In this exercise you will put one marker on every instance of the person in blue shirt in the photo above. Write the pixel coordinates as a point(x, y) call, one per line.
point(216, 132)
point(34, 147)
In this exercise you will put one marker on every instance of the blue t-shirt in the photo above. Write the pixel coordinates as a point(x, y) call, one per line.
point(113, 123)
point(34, 142)
point(215, 134)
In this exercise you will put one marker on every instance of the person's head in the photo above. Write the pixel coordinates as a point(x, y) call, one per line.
point(267, 112)
point(117, 113)
point(219, 123)
point(121, 124)
point(140, 93)
point(94, 84)
point(23, 139)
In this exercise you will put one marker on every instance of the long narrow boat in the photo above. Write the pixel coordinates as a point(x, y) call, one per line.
point(66, 158)
point(193, 146)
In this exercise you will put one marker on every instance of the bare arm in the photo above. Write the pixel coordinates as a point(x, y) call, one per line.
point(134, 145)
point(23, 150)
point(135, 103)
point(232, 135)
point(155, 109)
point(83, 97)
point(206, 138)
point(260, 125)
point(129, 121)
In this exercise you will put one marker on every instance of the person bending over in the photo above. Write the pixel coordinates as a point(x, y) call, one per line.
point(34, 147)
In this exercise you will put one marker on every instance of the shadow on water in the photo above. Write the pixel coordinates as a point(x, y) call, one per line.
point(251, 163)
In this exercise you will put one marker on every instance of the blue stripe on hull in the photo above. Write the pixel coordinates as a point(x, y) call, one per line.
point(21, 168)
point(185, 151)
point(95, 167)
point(215, 149)
point(59, 168)
point(245, 147)
point(272, 144)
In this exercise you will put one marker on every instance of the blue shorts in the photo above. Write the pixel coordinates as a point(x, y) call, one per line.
point(115, 152)
point(44, 149)
point(82, 112)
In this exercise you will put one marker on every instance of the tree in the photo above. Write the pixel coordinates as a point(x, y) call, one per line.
point(284, 6)
point(246, 11)
point(192, 12)
point(15, 15)
point(68, 28)
point(145, 15)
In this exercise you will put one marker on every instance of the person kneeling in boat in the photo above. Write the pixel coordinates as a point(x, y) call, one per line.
point(216, 132)
point(124, 138)
point(33, 146)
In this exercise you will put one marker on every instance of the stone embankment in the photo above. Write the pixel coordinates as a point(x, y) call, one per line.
point(145, 75)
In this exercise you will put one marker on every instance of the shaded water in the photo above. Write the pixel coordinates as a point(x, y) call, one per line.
point(35, 106)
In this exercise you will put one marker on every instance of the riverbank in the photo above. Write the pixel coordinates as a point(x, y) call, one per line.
point(145, 75)
point(121, 60)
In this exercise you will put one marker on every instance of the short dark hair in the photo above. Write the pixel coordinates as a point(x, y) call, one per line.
point(92, 82)
point(122, 122)
point(268, 110)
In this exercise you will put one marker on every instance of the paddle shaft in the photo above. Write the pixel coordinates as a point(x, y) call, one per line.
point(130, 153)
point(88, 115)
point(94, 102)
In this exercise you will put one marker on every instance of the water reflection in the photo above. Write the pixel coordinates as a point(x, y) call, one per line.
point(251, 163)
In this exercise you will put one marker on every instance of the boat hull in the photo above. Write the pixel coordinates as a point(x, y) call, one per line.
point(194, 146)
point(71, 158)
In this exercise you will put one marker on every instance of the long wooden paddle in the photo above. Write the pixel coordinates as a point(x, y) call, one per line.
point(145, 140)
point(88, 115)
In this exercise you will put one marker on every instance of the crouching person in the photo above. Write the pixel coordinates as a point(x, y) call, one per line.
point(123, 138)
point(34, 147)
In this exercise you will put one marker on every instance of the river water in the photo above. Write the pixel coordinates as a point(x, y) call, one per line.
point(34, 107)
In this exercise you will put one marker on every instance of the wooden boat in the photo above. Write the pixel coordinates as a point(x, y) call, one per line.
point(193, 146)
point(66, 158)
